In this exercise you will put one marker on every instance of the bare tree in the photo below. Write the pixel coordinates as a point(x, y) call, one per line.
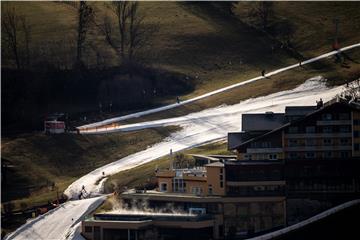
point(262, 12)
point(16, 35)
point(27, 38)
point(130, 29)
point(11, 25)
point(135, 31)
point(121, 11)
point(86, 15)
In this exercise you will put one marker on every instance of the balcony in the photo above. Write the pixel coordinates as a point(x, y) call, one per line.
point(264, 150)
point(318, 148)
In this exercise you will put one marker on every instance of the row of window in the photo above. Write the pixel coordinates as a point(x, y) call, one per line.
point(315, 142)
point(221, 177)
point(256, 190)
point(321, 185)
point(326, 154)
point(323, 129)
point(272, 156)
point(333, 116)
point(261, 145)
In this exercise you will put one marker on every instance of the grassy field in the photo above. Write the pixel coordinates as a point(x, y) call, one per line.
point(43, 160)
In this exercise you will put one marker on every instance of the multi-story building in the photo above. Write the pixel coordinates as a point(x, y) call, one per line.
point(328, 132)
point(319, 153)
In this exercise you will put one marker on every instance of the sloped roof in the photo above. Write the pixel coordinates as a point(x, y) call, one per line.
point(299, 110)
point(262, 121)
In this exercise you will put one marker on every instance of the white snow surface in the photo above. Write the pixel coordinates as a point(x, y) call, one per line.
point(203, 127)
point(62, 222)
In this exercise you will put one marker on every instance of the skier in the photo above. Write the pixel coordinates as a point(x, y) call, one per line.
point(178, 99)
point(263, 73)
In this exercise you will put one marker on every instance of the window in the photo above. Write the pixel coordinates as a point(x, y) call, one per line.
point(293, 155)
point(179, 185)
point(327, 154)
point(272, 156)
point(210, 189)
point(293, 142)
point(88, 229)
point(327, 129)
point(344, 129)
point(163, 187)
point(326, 116)
point(293, 129)
point(344, 116)
point(327, 141)
point(356, 134)
point(262, 145)
point(247, 156)
point(310, 129)
point(196, 190)
point(221, 177)
point(310, 142)
point(310, 155)
point(344, 141)
point(356, 121)
point(259, 188)
point(356, 146)
point(221, 184)
point(344, 154)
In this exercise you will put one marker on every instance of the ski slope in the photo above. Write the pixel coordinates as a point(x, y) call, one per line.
point(59, 223)
point(93, 127)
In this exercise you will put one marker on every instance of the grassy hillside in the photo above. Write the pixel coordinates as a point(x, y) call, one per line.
point(41, 160)
point(199, 40)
